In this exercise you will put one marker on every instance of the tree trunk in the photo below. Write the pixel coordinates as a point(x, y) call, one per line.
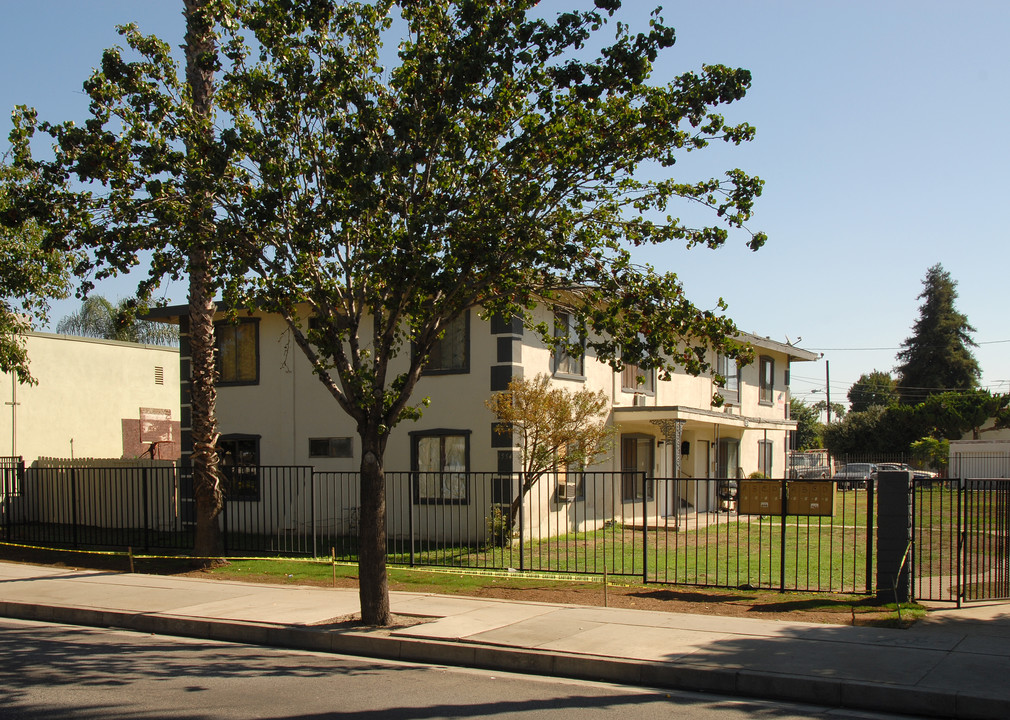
point(373, 585)
point(201, 45)
point(207, 489)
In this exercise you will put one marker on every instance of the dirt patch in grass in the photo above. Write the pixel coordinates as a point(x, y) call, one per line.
point(745, 603)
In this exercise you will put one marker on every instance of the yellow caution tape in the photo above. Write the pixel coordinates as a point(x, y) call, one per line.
point(512, 574)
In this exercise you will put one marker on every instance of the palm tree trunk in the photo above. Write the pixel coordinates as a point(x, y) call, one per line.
point(201, 46)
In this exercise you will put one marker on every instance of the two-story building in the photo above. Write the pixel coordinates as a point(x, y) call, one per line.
point(272, 410)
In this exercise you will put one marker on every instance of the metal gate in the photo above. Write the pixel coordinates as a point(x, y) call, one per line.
point(961, 540)
point(986, 540)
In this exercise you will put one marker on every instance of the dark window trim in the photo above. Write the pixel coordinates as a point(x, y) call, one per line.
point(766, 450)
point(467, 341)
point(328, 440)
point(650, 481)
point(231, 437)
point(256, 340)
point(414, 436)
point(642, 388)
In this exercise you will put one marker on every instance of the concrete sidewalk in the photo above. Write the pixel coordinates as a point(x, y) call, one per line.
point(956, 663)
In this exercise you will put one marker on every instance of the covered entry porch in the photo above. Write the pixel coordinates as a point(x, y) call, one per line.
point(692, 445)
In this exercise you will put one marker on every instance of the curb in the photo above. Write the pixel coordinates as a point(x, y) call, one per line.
point(853, 695)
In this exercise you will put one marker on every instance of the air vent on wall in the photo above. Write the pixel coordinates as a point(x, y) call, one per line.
point(159, 375)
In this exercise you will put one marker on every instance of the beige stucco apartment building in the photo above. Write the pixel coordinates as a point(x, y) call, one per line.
point(94, 399)
point(449, 470)
point(270, 402)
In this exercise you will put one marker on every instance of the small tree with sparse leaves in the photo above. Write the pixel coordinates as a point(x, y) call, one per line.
point(554, 428)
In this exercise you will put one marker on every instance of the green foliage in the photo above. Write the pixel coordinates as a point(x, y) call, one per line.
point(99, 318)
point(931, 452)
point(937, 357)
point(877, 430)
point(875, 388)
point(951, 415)
point(555, 427)
point(808, 429)
point(30, 276)
point(499, 528)
point(893, 429)
point(490, 166)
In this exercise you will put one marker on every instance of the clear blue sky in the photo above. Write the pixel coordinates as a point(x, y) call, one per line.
point(882, 138)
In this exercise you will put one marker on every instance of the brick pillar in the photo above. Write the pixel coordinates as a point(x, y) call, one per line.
point(894, 535)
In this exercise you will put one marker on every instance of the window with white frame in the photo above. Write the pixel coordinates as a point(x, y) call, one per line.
point(564, 362)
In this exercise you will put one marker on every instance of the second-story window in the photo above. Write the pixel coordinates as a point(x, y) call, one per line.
point(566, 363)
point(767, 380)
point(728, 368)
point(451, 352)
point(237, 356)
point(634, 379)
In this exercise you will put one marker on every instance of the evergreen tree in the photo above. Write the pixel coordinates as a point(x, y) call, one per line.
point(875, 388)
point(937, 357)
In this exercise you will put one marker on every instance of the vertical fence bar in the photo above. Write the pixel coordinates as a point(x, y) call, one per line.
point(73, 507)
point(870, 498)
point(145, 498)
point(783, 494)
point(522, 533)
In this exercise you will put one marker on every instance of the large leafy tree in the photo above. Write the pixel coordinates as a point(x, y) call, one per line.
point(937, 357)
point(808, 426)
point(874, 388)
point(98, 317)
point(951, 415)
point(495, 163)
point(30, 276)
point(139, 180)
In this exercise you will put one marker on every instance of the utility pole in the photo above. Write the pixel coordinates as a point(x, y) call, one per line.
point(827, 386)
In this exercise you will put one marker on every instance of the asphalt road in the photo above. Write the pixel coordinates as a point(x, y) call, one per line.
point(58, 671)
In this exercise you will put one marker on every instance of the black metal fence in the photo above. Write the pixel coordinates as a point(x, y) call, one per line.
point(961, 545)
point(708, 532)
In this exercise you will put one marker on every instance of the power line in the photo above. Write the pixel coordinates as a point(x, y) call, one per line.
point(871, 349)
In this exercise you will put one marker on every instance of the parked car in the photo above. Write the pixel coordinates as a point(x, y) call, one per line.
point(855, 475)
point(916, 474)
point(809, 465)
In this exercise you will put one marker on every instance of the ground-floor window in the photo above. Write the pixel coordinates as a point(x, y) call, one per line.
point(637, 460)
point(240, 458)
point(440, 462)
point(765, 457)
point(729, 458)
point(571, 483)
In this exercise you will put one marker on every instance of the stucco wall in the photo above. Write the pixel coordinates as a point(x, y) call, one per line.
point(88, 399)
point(289, 406)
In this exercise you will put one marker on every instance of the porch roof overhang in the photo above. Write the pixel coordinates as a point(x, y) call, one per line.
point(698, 415)
point(794, 353)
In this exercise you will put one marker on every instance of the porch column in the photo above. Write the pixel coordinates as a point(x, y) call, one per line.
point(673, 431)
